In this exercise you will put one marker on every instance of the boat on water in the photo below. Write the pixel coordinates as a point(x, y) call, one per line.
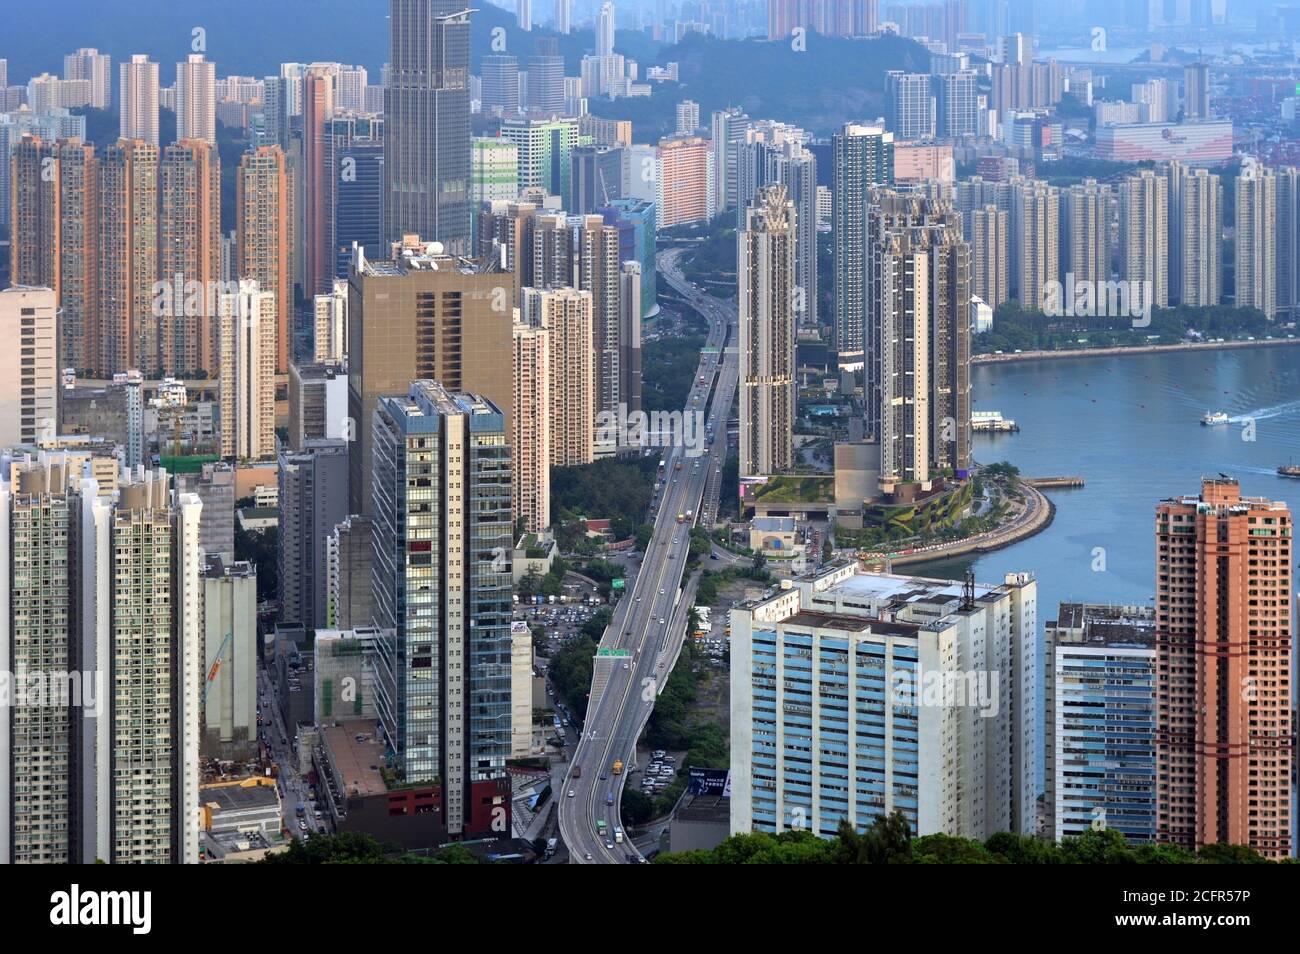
point(1212, 418)
point(1289, 470)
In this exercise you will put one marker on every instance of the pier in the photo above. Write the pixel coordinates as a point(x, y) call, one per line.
point(1045, 483)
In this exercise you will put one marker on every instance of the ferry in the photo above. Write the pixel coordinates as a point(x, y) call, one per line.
point(1214, 417)
point(1289, 470)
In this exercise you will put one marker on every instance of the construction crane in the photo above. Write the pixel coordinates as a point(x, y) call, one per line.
point(216, 664)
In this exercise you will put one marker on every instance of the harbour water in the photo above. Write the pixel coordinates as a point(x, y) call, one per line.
point(1131, 427)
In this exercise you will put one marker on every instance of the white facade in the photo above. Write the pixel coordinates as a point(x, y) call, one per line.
point(854, 695)
point(196, 99)
point(29, 329)
point(246, 351)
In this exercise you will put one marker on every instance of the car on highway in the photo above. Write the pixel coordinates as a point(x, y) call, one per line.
point(662, 621)
point(609, 845)
point(586, 856)
point(572, 793)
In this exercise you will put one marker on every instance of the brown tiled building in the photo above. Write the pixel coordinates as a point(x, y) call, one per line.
point(1224, 744)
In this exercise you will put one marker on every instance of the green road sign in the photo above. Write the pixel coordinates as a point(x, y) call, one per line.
point(618, 584)
point(613, 652)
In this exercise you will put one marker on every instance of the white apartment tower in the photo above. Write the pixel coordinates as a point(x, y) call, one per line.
point(196, 99)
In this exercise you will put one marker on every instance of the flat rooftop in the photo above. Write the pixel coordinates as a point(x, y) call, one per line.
point(894, 588)
point(357, 754)
point(239, 798)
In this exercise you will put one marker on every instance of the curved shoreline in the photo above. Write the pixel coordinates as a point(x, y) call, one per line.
point(1130, 349)
point(1040, 522)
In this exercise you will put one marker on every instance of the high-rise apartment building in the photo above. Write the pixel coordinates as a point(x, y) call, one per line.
point(567, 316)
point(29, 365)
point(442, 492)
point(1256, 247)
point(1100, 722)
point(584, 252)
point(1288, 239)
point(1085, 232)
point(685, 186)
point(196, 100)
point(530, 440)
point(958, 104)
point(911, 105)
point(189, 256)
point(1197, 251)
point(766, 270)
point(964, 763)
point(55, 237)
point(918, 292)
point(863, 156)
point(728, 128)
point(1144, 234)
point(246, 347)
point(426, 112)
point(1224, 742)
point(128, 256)
point(688, 118)
point(988, 245)
point(1035, 241)
point(96, 68)
point(106, 586)
point(264, 236)
point(422, 315)
point(773, 154)
point(138, 99)
point(330, 324)
point(318, 184)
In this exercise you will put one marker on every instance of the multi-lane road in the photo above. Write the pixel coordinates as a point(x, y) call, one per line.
point(643, 638)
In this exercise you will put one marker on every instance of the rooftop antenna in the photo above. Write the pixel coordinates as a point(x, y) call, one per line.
point(968, 591)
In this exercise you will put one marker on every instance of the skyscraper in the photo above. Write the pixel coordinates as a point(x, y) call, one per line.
point(426, 111)
point(105, 585)
point(442, 492)
point(1256, 209)
point(313, 488)
point(1100, 719)
point(1196, 91)
point(500, 75)
point(1035, 241)
point(424, 314)
point(566, 314)
point(247, 323)
point(531, 440)
point(1144, 234)
point(1288, 239)
point(263, 236)
point(189, 256)
point(128, 256)
point(546, 76)
point(1085, 232)
point(138, 96)
point(318, 184)
point(196, 100)
point(918, 291)
point(55, 238)
point(1199, 244)
point(766, 270)
point(1224, 743)
point(605, 30)
point(97, 68)
point(988, 244)
point(911, 105)
point(863, 157)
point(685, 183)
